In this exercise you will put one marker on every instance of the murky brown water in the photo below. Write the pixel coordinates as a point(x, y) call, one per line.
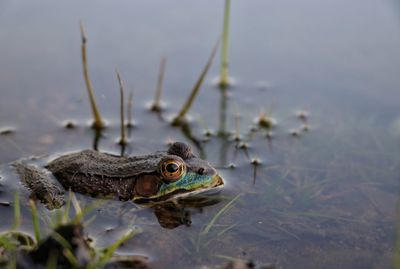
point(326, 198)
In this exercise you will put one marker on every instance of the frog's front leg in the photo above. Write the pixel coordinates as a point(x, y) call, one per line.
point(41, 184)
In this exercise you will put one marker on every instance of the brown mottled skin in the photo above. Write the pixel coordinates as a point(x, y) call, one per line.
point(101, 174)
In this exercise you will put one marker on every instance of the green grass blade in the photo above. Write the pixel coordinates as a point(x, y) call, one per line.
point(17, 212)
point(86, 210)
point(109, 251)
point(6, 243)
point(67, 208)
point(71, 258)
point(77, 207)
point(219, 214)
point(35, 220)
point(61, 240)
point(52, 262)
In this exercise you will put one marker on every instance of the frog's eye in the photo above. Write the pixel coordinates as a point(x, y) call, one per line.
point(172, 170)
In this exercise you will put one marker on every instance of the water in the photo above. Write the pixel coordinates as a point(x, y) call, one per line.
point(326, 198)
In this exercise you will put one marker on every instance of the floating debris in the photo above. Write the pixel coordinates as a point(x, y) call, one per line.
point(232, 166)
point(208, 133)
point(295, 133)
point(302, 115)
point(255, 161)
point(7, 131)
point(265, 121)
point(70, 124)
point(243, 146)
point(5, 203)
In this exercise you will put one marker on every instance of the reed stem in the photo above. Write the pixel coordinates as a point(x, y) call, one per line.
point(98, 122)
point(122, 140)
point(181, 116)
point(224, 77)
point(157, 99)
point(130, 109)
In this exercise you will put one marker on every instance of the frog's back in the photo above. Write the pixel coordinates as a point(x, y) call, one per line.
point(91, 162)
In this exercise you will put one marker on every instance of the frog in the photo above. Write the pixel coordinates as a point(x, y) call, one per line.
point(159, 176)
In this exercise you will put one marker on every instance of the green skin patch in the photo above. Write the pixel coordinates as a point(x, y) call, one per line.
point(190, 182)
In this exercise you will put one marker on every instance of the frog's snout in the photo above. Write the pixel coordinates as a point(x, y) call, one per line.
point(218, 180)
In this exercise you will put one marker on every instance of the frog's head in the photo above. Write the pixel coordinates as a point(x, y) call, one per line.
point(179, 171)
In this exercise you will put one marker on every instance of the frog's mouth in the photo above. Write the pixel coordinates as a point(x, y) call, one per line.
point(191, 189)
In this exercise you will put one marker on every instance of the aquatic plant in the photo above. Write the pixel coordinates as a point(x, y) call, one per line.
point(65, 249)
point(224, 77)
point(122, 141)
point(156, 106)
point(180, 118)
point(211, 223)
point(98, 122)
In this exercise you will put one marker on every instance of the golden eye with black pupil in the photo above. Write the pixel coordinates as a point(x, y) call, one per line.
point(172, 170)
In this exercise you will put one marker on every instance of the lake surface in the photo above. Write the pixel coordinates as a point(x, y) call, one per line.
point(325, 193)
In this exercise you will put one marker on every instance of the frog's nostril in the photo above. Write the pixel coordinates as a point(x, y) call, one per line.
point(200, 171)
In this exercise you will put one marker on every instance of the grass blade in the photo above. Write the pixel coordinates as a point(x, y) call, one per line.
point(109, 251)
point(180, 117)
point(17, 212)
point(219, 214)
point(35, 220)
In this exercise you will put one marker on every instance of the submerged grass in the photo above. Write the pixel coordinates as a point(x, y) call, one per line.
point(219, 214)
point(180, 118)
point(98, 122)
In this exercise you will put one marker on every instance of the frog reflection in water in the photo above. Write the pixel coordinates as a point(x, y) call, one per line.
point(154, 177)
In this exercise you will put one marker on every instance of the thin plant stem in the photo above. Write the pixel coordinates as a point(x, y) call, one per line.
point(98, 122)
point(130, 109)
point(17, 212)
point(224, 77)
point(219, 214)
point(237, 124)
point(109, 251)
point(35, 220)
point(157, 99)
point(189, 102)
point(122, 140)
